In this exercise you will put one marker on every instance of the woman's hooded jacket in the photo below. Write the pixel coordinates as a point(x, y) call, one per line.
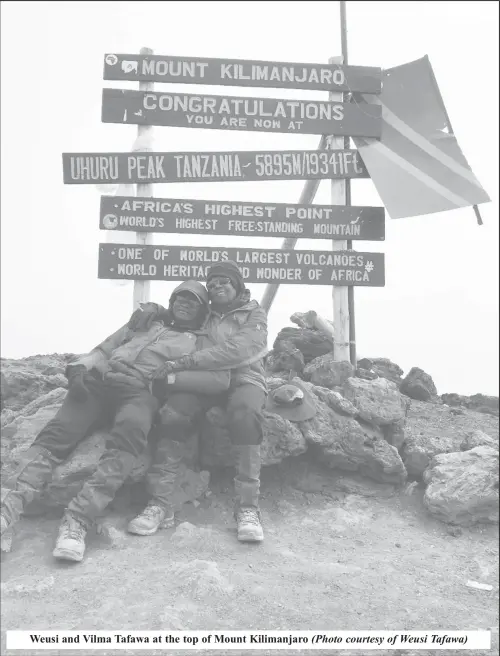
point(140, 354)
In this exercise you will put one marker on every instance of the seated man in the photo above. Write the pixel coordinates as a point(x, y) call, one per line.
point(238, 325)
point(115, 376)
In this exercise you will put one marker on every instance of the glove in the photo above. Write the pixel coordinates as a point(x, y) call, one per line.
point(143, 317)
point(76, 385)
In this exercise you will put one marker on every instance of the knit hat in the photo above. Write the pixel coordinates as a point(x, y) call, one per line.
point(229, 269)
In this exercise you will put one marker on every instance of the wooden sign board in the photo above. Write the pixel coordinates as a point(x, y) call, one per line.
point(242, 73)
point(237, 113)
point(141, 168)
point(344, 268)
point(210, 217)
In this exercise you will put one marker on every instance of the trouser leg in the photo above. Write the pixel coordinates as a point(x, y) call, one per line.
point(53, 444)
point(244, 411)
point(127, 441)
point(179, 416)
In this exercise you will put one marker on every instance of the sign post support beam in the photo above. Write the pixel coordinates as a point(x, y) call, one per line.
point(143, 143)
point(306, 197)
point(339, 294)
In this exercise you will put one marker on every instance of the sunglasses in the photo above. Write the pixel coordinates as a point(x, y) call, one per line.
point(218, 282)
point(188, 301)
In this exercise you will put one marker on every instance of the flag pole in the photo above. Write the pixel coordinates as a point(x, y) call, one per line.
point(450, 130)
point(350, 289)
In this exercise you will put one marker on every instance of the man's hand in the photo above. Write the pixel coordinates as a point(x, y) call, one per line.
point(102, 367)
point(76, 384)
point(143, 317)
point(163, 371)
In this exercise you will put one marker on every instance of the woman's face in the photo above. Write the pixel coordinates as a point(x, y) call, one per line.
point(186, 307)
point(220, 290)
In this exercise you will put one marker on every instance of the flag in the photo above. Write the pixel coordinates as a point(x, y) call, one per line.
point(417, 166)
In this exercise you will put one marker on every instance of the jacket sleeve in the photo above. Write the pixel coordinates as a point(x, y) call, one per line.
point(103, 351)
point(200, 382)
point(244, 347)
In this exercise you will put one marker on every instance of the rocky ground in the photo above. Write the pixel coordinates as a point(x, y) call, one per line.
point(377, 514)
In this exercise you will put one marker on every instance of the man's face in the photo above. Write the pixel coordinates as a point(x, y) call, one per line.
point(220, 290)
point(186, 306)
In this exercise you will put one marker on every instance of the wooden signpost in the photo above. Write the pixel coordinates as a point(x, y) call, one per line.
point(182, 215)
point(256, 265)
point(341, 268)
point(242, 73)
point(220, 166)
point(235, 113)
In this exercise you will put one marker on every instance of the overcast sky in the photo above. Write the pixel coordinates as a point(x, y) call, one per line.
point(439, 308)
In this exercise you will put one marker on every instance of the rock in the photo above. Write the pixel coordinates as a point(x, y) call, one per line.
point(306, 319)
point(463, 487)
point(342, 443)
point(483, 403)
point(335, 401)
point(281, 439)
point(5, 390)
point(311, 343)
point(478, 438)
point(419, 385)
point(395, 433)
point(418, 450)
point(20, 433)
point(384, 368)
point(29, 378)
point(379, 402)
point(454, 400)
point(326, 372)
point(476, 402)
point(286, 357)
point(366, 374)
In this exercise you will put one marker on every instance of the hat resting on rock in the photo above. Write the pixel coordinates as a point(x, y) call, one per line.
point(291, 401)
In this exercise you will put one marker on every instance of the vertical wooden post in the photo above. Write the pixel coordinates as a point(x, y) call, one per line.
point(350, 289)
point(339, 294)
point(143, 143)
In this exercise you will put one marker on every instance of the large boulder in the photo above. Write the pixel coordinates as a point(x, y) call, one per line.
point(343, 443)
point(383, 367)
point(419, 385)
point(420, 448)
point(478, 438)
point(325, 371)
point(378, 402)
point(286, 357)
point(462, 488)
point(311, 343)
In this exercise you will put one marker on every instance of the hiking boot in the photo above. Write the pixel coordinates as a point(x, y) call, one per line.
point(150, 520)
point(70, 544)
point(249, 526)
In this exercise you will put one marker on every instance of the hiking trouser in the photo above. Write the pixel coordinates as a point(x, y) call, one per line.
point(244, 415)
point(134, 411)
point(179, 416)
